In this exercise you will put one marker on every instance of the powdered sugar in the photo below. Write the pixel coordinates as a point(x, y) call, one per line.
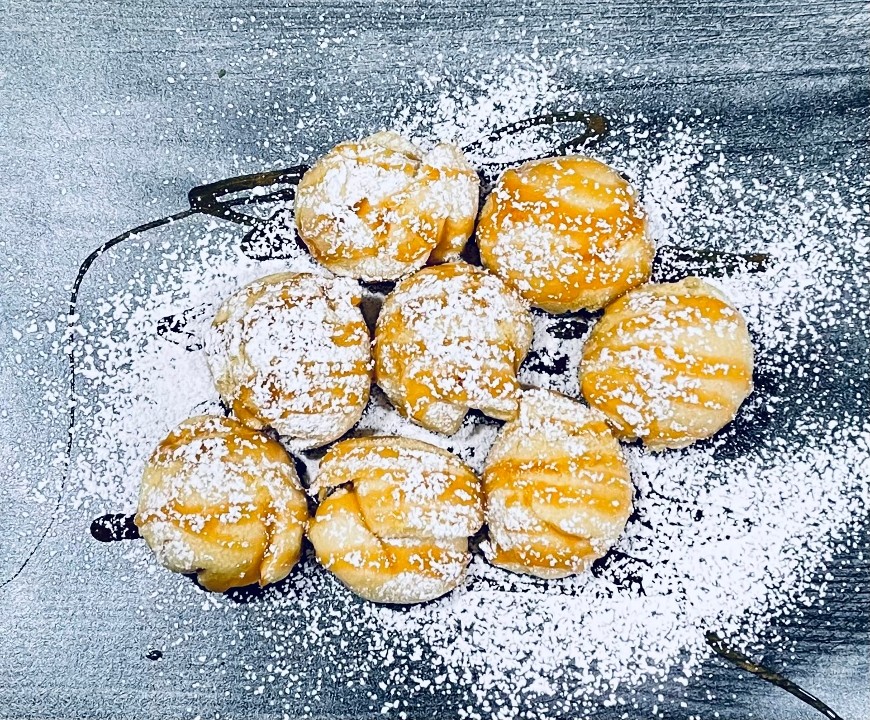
point(727, 534)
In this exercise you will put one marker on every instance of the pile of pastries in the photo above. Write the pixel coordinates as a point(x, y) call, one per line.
point(293, 360)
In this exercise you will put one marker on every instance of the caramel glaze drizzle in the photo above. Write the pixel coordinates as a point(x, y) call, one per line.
point(744, 663)
point(209, 200)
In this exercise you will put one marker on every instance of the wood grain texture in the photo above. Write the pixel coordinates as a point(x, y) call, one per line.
point(94, 140)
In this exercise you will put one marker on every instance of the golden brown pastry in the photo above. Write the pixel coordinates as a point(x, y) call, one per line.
point(292, 352)
point(379, 208)
point(448, 339)
point(567, 233)
point(222, 501)
point(669, 364)
point(397, 528)
point(558, 492)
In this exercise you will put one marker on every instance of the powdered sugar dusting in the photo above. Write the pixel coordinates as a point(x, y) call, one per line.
point(727, 534)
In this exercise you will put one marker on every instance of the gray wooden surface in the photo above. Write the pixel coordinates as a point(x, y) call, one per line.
point(95, 139)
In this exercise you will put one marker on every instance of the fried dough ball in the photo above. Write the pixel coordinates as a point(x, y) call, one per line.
point(223, 501)
point(379, 208)
point(451, 338)
point(669, 364)
point(292, 352)
point(558, 492)
point(567, 233)
point(397, 529)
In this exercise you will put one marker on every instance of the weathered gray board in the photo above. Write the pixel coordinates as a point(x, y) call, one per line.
point(87, 150)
